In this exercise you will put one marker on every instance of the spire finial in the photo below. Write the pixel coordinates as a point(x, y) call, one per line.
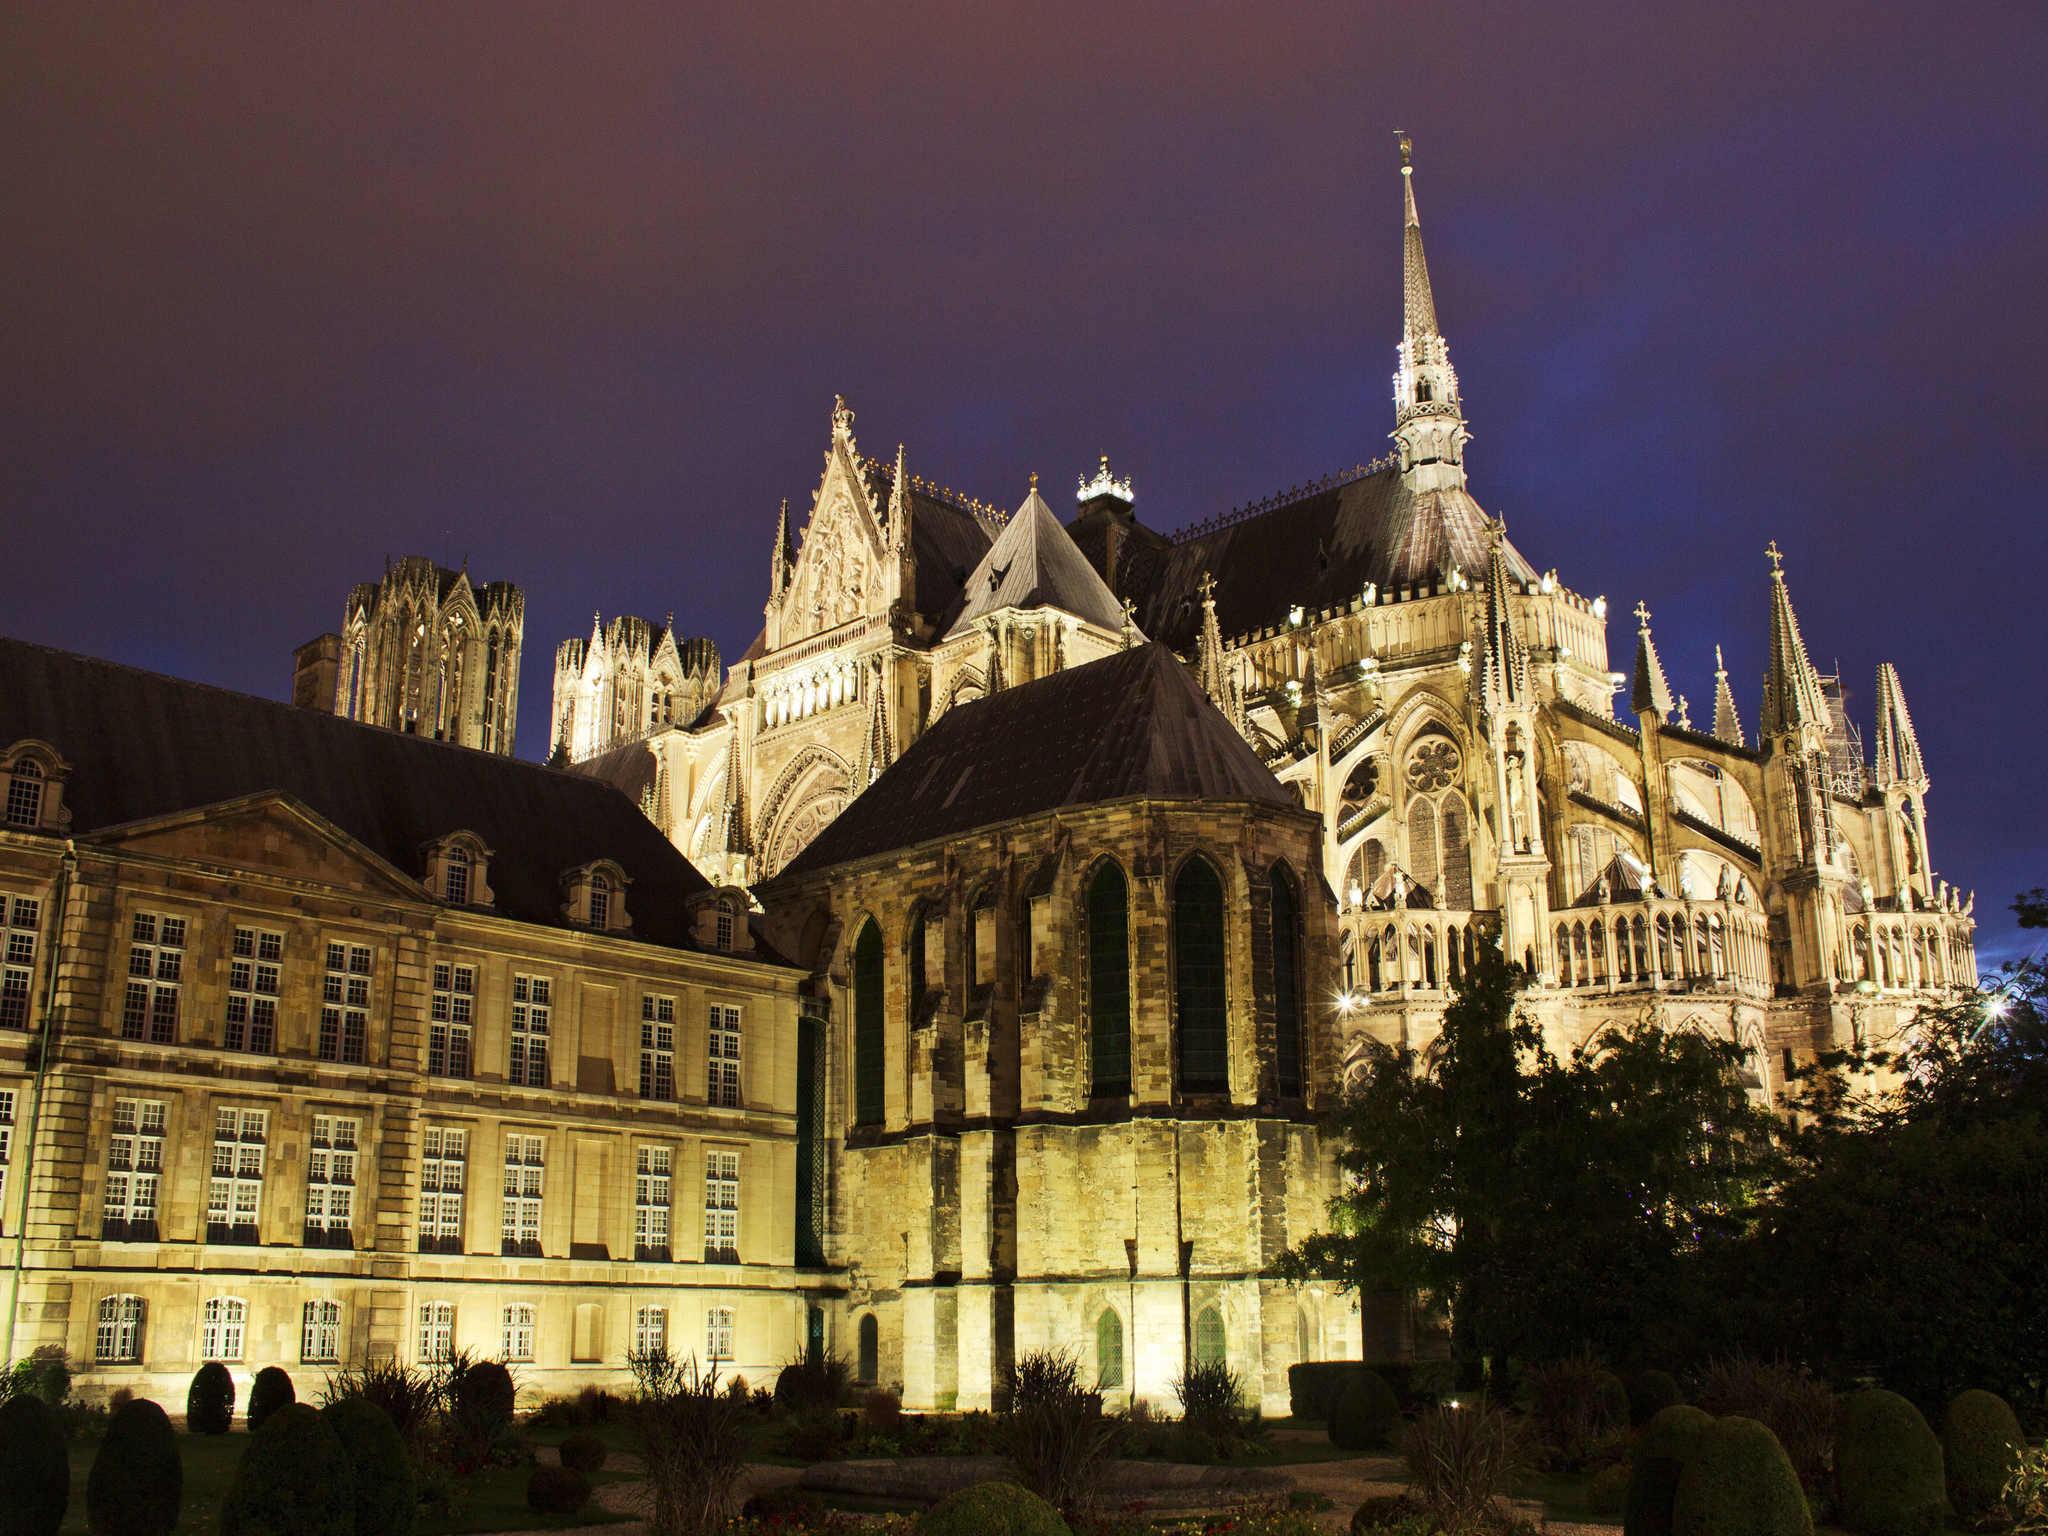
point(1643, 616)
point(1651, 695)
point(1777, 559)
point(1720, 666)
point(1407, 151)
point(1034, 482)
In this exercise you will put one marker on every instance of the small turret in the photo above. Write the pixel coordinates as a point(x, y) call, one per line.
point(1898, 746)
point(1650, 696)
point(1793, 697)
point(1727, 721)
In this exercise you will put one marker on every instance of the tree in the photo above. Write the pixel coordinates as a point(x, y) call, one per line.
point(1544, 1204)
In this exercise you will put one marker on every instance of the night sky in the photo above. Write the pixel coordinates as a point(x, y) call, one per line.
point(567, 291)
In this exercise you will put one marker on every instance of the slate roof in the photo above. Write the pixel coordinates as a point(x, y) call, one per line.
point(1133, 724)
point(143, 745)
point(1318, 548)
point(1035, 563)
point(947, 539)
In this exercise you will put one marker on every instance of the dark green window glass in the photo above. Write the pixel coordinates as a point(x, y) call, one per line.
point(1109, 1351)
point(1286, 907)
point(1209, 1344)
point(810, 1141)
point(913, 984)
point(1109, 981)
point(1199, 1014)
point(867, 1026)
point(868, 1356)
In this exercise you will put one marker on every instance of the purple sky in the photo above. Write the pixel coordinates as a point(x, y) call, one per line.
point(568, 290)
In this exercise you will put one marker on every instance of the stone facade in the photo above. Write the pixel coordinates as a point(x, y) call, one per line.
point(627, 680)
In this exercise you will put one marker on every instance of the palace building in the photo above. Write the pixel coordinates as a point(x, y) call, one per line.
point(962, 970)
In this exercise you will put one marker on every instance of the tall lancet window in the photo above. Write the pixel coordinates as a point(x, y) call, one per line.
point(867, 1026)
point(1109, 981)
point(1286, 918)
point(1200, 1016)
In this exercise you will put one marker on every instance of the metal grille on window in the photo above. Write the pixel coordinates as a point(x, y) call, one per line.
point(811, 1188)
point(437, 1331)
point(1210, 1347)
point(118, 1338)
point(330, 1182)
point(650, 1330)
point(1109, 982)
point(1198, 960)
point(653, 1188)
point(235, 1192)
point(657, 1047)
point(721, 1207)
point(718, 1333)
point(600, 902)
point(320, 1333)
point(25, 794)
point(523, 1169)
point(156, 968)
point(345, 1004)
point(722, 1057)
point(135, 1165)
point(223, 1324)
point(532, 1002)
point(724, 928)
point(444, 1161)
point(1109, 1350)
point(451, 1021)
point(517, 1337)
point(6, 1147)
point(18, 959)
point(254, 968)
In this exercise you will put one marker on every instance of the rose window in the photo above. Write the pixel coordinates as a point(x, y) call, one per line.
point(1433, 765)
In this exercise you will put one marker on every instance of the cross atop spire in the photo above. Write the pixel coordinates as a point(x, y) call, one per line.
point(1642, 616)
point(1418, 302)
point(1777, 560)
point(1651, 695)
point(1792, 691)
point(1429, 424)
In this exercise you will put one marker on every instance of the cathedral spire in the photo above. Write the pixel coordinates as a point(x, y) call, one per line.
point(1898, 747)
point(1651, 694)
point(877, 751)
point(899, 504)
point(737, 842)
point(1505, 677)
point(1209, 649)
point(1727, 720)
point(1429, 421)
point(778, 564)
point(1792, 691)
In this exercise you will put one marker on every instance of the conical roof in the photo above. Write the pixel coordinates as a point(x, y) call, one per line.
point(1034, 563)
point(1792, 691)
point(1651, 693)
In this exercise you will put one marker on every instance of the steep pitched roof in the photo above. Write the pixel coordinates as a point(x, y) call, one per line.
point(1132, 724)
point(145, 745)
point(1034, 563)
point(1317, 546)
point(948, 536)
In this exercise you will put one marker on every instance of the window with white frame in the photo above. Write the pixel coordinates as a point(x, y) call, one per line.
point(533, 999)
point(331, 1182)
point(223, 1324)
point(653, 1190)
point(135, 1167)
point(456, 877)
point(722, 1056)
point(118, 1338)
point(25, 793)
point(6, 1147)
point(451, 1021)
point(600, 901)
point(517, 1338)
point(718, 1333)
point(437, 1331)
point(524, 1163)
point(156, 970)
point(657, 1047)
point(22, 916)
point(721, 1206)
point(320, 1333)
point(650, 1330)
point(345, 1003)
point(234, 1194)
point(722, 928)
point(444, 1160)
point(255, 968)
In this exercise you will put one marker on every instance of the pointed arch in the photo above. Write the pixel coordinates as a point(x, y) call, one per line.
point(1109, 1350)
point(1422, 856)
point(1201, 1024)
point(1455, 828)
point(1285, 909)
point(1109, 981)
point(869, 1039)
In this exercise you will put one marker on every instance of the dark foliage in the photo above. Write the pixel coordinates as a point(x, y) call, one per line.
point(1672, 1437)
point(812, 1382)
point(556, 1490)
point(1313, 1385)
point(993, 1509)
point(1798, 1410)
point(1980, 1445)
point(137, 1480)
point(45, 1374)
point(1366, 1414)
point(479, 1395)
point(1461, 1461)
point(1888, 1474)
point(585, 1453)
point(1738, 1483)
point(270, 1391)
point(411, 1398)
point(693, 1440)
point(210, 1400)
point(34, 1470)
point(387, 1492)
point(1650, 1393)
point(294, 1479)
point(1055, 1432)
point(1578, 1405)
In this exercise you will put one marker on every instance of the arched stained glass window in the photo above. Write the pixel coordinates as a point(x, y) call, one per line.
point(867, 1026)
point(1198, 970)
point(1286, 909)
point(1109, 1350)
point(868, 1362)
point(1109, 981)
point(1210, 1346)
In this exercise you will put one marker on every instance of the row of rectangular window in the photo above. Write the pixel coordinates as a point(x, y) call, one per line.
point(20, 922)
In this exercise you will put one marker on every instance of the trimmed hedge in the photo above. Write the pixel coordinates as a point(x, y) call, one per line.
point(1365, 1414)
point(294, 1480)
point(1740, 1482)
point(387, 1490)
point(583, 1452)
point(33, 1468)
point(270, 1391)
point(993, 1509)
point(1980, 1441)
point(1313, 1385)
point(1649, 1394)
point(1888, 1477)
point(137, 1480)
point(485, 1392)
point(556, 1490)
point(1670, 1440)
point(210, 1400)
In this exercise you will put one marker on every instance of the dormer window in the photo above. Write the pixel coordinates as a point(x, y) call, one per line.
point(32, 776)
point(597, 897)
point(458, 870)
point(723, 929)
point(600, 901)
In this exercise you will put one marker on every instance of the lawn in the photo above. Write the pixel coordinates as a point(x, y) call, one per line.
point(494, 1500)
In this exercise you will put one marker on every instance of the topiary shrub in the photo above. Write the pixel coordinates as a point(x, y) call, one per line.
point(993, 1509)
point(484, 1389)
point(210, 1400)
point(812, 1382)
point(137, 1479)
point(1888, 1479)
point(270, 1391)
point(294, 1479)
point(1649, 1394)
point(1365, 1414)
point(1981, 1443)
point(583, 1452)
point(1799, 1410)
point(556, 1490)
point(1671, 1439)
point(387, 1491)
point(1313, 1386)
point(33, 1468)
point(480, 1398)
point(1739, 1482)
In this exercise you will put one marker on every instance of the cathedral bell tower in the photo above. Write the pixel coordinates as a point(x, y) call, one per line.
point(1429, 419)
